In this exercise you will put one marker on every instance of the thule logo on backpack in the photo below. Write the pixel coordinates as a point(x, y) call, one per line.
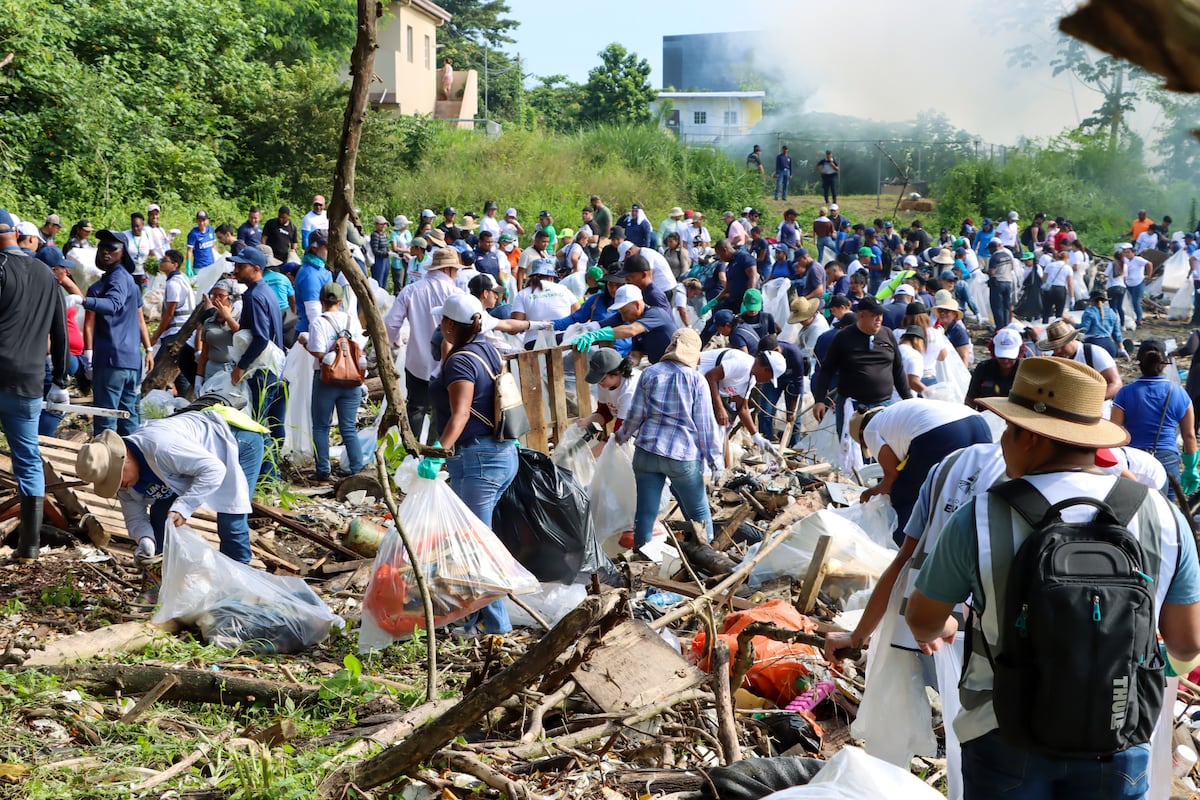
point(1120, 702)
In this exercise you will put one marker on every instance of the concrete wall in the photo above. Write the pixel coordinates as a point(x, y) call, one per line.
point(715, 130)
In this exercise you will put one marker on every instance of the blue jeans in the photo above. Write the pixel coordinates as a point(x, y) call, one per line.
point(766, 417)
point(822, 243)
point(994, 769)
point(233, 530)
point(1116, 299)
point(19, 421)
point(268, 402)
point(650, 473)
point(48, 423)
point(346, 400)
point(1001, 302)
point(117, 389)
point(1172, 464)
point(1135, 297)
point(479, 474)
point(781, 185)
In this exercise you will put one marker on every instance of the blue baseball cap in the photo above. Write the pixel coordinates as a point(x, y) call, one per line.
point(723, 317)
point(250, 255)
point(7, 225)
point(53, 257)
point(947, 275)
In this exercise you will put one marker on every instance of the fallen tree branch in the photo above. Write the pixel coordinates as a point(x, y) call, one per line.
point(731, 749)
point(466, 763)
point(195, 685)
point(537, 717)
point(183, 766)
point(151, 697)
point(404, 757)
point(402, 726)
point(166, 363)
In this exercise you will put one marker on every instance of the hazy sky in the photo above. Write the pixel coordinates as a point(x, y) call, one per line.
point(868, 58)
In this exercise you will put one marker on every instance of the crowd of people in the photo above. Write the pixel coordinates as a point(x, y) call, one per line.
point(692, 335)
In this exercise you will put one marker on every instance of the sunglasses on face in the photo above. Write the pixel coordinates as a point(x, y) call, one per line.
point(109, 246)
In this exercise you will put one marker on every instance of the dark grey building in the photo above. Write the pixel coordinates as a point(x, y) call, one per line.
point(709, 62)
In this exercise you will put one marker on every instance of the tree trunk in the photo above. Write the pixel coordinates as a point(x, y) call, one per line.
point(195, 685)
point(166, 364)
point(341, 210)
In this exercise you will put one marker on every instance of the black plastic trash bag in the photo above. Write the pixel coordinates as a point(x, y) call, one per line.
point(543, 518)
point(754, 778)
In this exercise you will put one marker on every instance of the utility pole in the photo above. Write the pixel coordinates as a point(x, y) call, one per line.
point(485, 80)
point(878, 173)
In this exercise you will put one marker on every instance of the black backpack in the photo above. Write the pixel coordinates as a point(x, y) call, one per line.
point(1078, 673)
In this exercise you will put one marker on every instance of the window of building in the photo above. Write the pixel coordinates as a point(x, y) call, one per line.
point(428, 53)
point(699, 117)
point(408, 40)
point(731, 118)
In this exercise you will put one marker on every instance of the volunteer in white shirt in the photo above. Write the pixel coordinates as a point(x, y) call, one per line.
point(542, 299)
point(1137, 271)
point(616, 381)
point(732, 375)
point(1062, 341)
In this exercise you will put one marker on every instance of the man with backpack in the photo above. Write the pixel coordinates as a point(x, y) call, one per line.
point(1062, 341)
point(1071, 572)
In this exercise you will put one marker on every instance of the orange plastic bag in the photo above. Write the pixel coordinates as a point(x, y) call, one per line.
point(779, 672)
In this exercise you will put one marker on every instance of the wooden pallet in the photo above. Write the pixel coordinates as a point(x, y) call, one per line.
point(546, 402)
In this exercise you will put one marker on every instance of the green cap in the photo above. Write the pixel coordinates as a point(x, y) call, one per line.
point(866, 251)
point(751, 301)
point(1026, 255)
point(960, 242)
point(595, 273)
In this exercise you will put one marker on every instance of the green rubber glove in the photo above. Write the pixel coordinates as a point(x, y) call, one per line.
point(709, 306)
point(1191, 473)
point(585, 341)
point(430, 467)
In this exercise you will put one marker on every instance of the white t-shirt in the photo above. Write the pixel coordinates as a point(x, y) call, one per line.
point(620, 399)
point(464, 276)
point(737, 365)
point(1145, 468)
point(1007, 233)
point(323, 331)
point(1056, 274)
point(576, 283)
point(697, 241)
point(809, 335)
point(663, 278)
point(160, 240)
point(178, 291)
point(140, 247)
point(1135, 271)
point(1101, 360)
point(1145, 241)
point(552, 301)
point(914, 360)
point(898, 424)
point(315, 222)
point(1111, 280)
point(490, 224)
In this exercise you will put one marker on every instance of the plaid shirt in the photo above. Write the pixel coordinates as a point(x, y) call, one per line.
point(672, 415)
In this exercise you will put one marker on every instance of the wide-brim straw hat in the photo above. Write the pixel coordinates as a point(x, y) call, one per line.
point(858, 422)
point(100, 462)
point(435, 236)
point(944, 300)
point(1057, 335)
point(1060, 399)
point(803, 309)
point(684, 348)
point(445, 258)
point(944, 256)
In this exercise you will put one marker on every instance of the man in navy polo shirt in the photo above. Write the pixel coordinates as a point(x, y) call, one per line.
point(116, 306)
point(741, 273)
point(201, 242)
point(486, 259)
point(249, 233)
point(262, 319)
point(783, 172)
point(650, 327)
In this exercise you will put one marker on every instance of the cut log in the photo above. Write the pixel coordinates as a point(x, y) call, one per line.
point(125, 637)
point(406, 756)
point(195, 685)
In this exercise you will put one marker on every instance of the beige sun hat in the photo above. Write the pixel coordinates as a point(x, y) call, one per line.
point(684, 348)
point(944, 299)
point(802, 310)
point(445, 258)
point(1057, 335)
point(100, 462)
point(1060, 399)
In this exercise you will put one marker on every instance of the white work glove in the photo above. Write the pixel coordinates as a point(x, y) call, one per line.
point(57, 394)
point(198, 387)
point(541, 324)
point(329, 358)
point(87, 363)
point(145, 548)
point(366, 393)
point(761, 441)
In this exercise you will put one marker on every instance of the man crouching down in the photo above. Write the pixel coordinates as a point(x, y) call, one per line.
point(207, 455)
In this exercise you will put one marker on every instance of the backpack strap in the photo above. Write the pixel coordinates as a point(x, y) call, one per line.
point(492, 375)
point(1087, 354)
point(1124, 500)
point(1162, 419)
point(1023, 499)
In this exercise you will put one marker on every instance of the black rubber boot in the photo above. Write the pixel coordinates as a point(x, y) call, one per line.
point(30, 536)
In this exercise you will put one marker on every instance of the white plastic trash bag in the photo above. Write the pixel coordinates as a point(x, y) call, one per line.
point(234, 605)
point(613, 491)
point(552, 602)
point(876, 518)
point(854, 775)
point(222, 384)
point(775, 303)
point(297, 416)
point(851, 550)
point(1177, 272)
point(574, 453)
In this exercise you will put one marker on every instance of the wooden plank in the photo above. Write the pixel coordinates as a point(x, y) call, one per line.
point(724, 539)
point(583, 390)
point(557, 385)
point(815, 576)
point(633, 667)
point(531, 390)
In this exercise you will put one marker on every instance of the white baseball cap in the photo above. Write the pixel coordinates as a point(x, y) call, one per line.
point(1006, 343)
point(778, 366)
point(465, 308)
point(512, 212)
point(833, 206)
point(623, 248)
point(625, 295)
point(904, 290)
